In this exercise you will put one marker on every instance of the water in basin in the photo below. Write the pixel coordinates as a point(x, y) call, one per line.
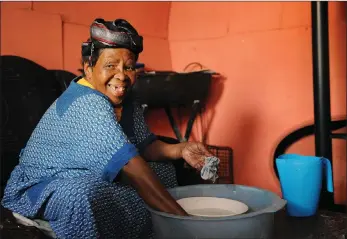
point(256, 222)
point(211, 212)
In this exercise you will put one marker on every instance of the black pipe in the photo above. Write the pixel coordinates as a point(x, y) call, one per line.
point(346, 94)
point(321, 86)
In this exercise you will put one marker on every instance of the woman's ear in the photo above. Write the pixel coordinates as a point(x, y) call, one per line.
point(88, 70)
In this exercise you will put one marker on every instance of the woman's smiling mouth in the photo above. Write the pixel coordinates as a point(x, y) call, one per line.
point(117, 90)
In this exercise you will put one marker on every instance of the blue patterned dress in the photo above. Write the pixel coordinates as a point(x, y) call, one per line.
point(67, 173)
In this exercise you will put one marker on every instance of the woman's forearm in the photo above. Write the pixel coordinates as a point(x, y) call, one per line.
point(159, 150)
point(148, 186)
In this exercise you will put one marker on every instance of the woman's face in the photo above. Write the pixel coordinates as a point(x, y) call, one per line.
point(113, 74)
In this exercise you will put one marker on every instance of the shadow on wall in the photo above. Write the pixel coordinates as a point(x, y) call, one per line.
point(341, 6)
point(245, 131)
point(216, 90)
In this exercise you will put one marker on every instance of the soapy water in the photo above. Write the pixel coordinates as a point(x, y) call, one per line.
point(212, 207)
point(211, 212)
point(215, 212)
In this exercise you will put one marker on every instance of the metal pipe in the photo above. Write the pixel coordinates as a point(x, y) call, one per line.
point(321, 85)
point(346, 97)
point(320, 47)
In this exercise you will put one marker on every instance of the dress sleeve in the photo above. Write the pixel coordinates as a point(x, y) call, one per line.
point(144, 136)
point(107, 147)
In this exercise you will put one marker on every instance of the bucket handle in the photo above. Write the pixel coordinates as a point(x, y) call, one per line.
point(328, 174)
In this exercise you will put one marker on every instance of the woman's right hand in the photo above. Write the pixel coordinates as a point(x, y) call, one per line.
point(149, 187)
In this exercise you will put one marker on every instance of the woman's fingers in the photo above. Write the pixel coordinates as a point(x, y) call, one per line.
point(199, 165)
point(196, 154)
point(205, 150)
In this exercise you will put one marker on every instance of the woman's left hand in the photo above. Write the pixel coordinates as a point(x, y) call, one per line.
point(194, 154)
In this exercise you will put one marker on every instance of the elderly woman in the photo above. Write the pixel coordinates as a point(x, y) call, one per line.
point(84, 167)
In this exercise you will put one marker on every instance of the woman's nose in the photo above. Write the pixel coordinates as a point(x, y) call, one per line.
point(120, 76)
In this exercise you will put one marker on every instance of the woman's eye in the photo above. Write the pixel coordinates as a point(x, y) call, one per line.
point(109, 66)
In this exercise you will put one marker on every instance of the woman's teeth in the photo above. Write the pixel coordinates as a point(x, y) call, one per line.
point(117, 90)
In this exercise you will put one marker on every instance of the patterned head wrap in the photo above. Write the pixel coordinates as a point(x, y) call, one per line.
point(112, 34)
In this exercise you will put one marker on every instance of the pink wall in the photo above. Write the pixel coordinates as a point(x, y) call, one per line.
point(262, 49)
point(36, 29)
point(54, 32)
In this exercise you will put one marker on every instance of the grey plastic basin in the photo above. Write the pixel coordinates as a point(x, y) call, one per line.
point(258, 222)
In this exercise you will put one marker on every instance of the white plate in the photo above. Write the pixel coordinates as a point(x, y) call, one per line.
point(212, 206)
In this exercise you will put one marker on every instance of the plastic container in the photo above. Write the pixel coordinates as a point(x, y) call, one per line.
point(301, 182)
point(257, 222)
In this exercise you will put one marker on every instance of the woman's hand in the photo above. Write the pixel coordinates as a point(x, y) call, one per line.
point(194, 154)
point(148, 186)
